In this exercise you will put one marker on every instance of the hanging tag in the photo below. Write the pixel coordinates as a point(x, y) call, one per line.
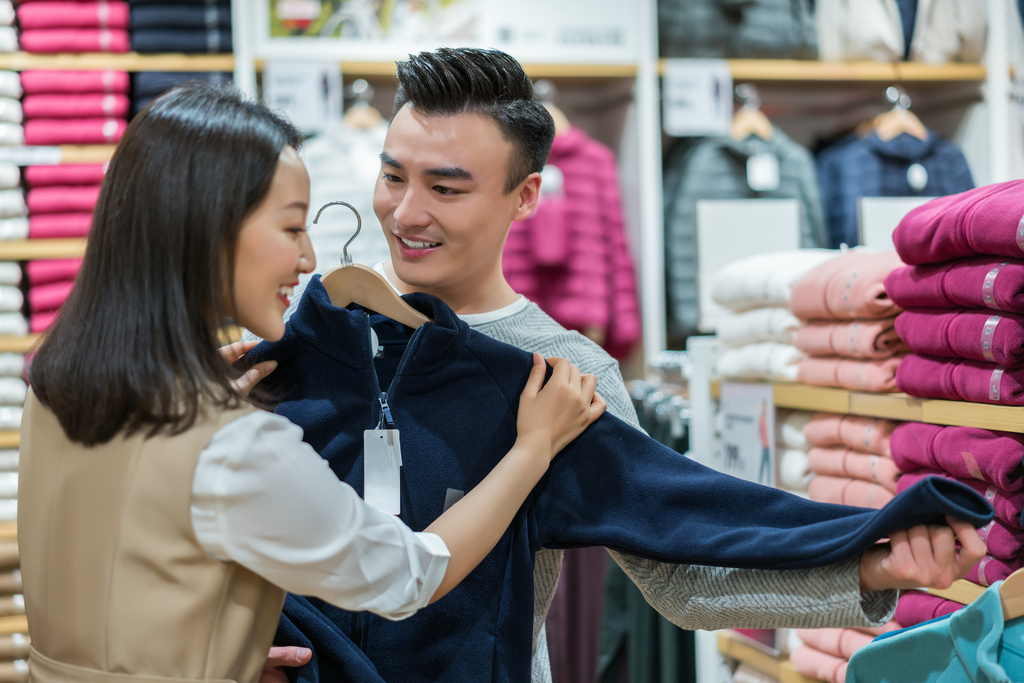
point(382, 470)
point(763, 172)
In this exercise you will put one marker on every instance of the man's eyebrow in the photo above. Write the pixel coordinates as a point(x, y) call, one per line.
point(455, 172)
point(386, 158)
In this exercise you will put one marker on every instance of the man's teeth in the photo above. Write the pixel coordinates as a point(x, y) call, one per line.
point(286, 291)
point(418, 245)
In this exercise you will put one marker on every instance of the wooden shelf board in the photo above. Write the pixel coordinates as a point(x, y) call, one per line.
point(892, 406)
point(130, 61)
point(782, 669)
point(983, 415)
point(796, 70)
point(387, 69)
point(803, 397)
point(10, 344)
point(86, 154)
point(8, 531)
point(961, 591)
point(9, 625)
point(30, 250)
point(10, 438)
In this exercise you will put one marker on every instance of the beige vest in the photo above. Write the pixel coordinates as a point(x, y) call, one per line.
point(117, 587)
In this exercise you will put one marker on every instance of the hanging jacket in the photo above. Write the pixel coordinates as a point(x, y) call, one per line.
point(752, 29)
point(716, 168)
point(571, 257)
point(870, 167)
point(453, 393)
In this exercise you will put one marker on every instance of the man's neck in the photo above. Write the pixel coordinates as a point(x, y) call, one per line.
point(492, 294)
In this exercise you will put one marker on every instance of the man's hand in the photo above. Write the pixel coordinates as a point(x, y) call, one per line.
point(280, 657)
point(923, 556)
point(253, 375)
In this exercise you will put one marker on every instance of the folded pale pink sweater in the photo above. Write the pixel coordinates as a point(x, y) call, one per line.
point(846, 373)
point(838, 642)
point(75, 106)
point(969, 452)
point(49, 297)
point(819, 665)
point(65, 174)
point(870, 434)
point(62, 199)
point(1003, 541)
point(915, 607)
point(49, 40)
point(74, 131)
point(52, 270)
point(960, 380)
point(985, 220)
point(846, 491)
point(838, 461)
point(865, 339)
point(847, 287)
point(54, 225)
point(47, 81)
point(975, 334)
point(40, 322)
point(109, 14)
point(1008, 505)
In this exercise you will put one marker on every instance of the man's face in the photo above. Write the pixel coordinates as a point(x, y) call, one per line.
point(440, 197)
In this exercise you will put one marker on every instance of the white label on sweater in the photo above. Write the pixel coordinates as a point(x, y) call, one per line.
point(763, 172)
point(988, 333)
point(697, 97)
point(382, 470)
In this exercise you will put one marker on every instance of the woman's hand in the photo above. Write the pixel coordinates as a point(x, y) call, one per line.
point(252, 376)
point(552, 415)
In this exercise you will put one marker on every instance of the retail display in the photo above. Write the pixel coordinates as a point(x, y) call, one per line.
point(760, 360)
point(148, 84)
point(765, 280)
point(870, 339)
point(850, 286)
point(759, 324)
point(983, 454)
point(762, 29)
point(180, 27)
point(960, 380)
point(980, 282)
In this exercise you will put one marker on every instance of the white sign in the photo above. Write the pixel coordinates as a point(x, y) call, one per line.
point(748, 443)
point(307, 93)
point(31, 155)
point(697, 97)
point(877, 218)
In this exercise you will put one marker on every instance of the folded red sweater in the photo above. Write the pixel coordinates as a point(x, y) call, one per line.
point(52, 270)
point(1008, 505)
point(915, 607)
point(41, 322)
point(75, 106)
point(55, 225)
point(981, 282)
point(63, 199)
point(977, 335)
point(65, 174)
point(109, 14)
point(969, 452)
point(74, 131)
point(48, 81)
point(50, 297)
point(50, 40)
point(960, 380)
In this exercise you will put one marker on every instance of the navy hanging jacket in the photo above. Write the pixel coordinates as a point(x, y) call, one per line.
point(453, 393)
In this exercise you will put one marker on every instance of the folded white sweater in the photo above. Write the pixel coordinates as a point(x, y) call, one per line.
point(765, 279)
point(757, 325)
point(764, 360)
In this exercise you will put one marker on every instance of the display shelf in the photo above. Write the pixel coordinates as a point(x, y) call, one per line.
point(783, 670)
point(387, 68)
point(30, 250)
point(894, 406)
point(23, 344)
point(9, 438)
point(961, 591)
point(129, 61)
point(9, 625)
point(795, 70)
point(8, 531)
point(86, 154)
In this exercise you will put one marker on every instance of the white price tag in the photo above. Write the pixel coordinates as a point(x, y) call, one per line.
point(309, 93)
point(697, 97)
point(382, 470)
point(763, 172)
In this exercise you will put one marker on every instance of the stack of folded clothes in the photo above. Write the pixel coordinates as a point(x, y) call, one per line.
point(12, 320)
point(850, 459)
point(80, 26)
point(8, 34)
point(826, 652)
point(848, 323)
point(190, 26)
point(991, 463)
point(791, 443)
point(74, 107)
point(50, 283)
point(758, 330)
point(146, 85)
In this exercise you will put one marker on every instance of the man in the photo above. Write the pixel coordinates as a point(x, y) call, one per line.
point(461, 162)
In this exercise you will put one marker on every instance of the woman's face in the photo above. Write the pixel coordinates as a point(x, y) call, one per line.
point(273, 248)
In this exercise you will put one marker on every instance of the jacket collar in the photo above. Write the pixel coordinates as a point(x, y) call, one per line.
point(344, 333)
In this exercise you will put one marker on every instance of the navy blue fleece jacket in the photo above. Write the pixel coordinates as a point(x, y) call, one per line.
point(453, 394)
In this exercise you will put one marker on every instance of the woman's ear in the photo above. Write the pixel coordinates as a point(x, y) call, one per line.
point(529, 195)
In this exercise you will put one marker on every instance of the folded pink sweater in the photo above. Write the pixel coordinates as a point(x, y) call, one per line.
point(52, 270)
point(62, 199)
point(56, 225)
point(846, 491)
point(65, 174)
point(838, 642)
point(75, 106)
point(845, 462)
point(74, 131)
point(47, 81)
point(40, 322)
point(875, 631)
point(981, 282)
point(992, 569)
point(915, 607)
point(960, 380)
point(870, 434)
point(49, 297)
point(1007, 504)
point(819, 665)
point(1003, 541)
point(865, 339)
point(985, 220)
point(858, 375)
point(50, 40)
point(846, 287)
point(969, 452)
point(975, 334)
point(110, 14)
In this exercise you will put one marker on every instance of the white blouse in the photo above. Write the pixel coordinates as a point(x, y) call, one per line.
point(263, 498)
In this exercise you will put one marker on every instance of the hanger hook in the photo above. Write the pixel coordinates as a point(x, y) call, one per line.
point(346, 260)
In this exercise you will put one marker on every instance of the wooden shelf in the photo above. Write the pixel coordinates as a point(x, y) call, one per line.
point(961, 591)
point(30, 250)
point(794, 70)
point(9, 625)
point(10, 438)
point(893, 406)
point(86, 154)
point(385, 69)
point(735, 647)
point(11, 344)
point(129, 61)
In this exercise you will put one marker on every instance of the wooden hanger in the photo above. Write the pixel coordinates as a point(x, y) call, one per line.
point(355, 283)
point(562, 124)
point(749, 119)
point(362, 116)
point(1011, 594)
point(899, 119)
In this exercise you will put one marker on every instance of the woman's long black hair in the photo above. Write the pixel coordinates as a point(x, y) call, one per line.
point(135, 345)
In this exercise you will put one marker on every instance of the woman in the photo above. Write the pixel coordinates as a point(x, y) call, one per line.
point(163, 517)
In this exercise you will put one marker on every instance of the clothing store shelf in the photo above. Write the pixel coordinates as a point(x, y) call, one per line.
point(735, 647)
point(86, 154)
point(371, 69)
point(18, 344)
point(9, 438)
point(130, 61)
point(795, 70)
point(894, 406)
point(8, 531)
point(30, 250)
point(9, 625)
point(961, 591)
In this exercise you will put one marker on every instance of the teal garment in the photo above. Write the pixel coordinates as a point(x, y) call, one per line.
point(973, 644)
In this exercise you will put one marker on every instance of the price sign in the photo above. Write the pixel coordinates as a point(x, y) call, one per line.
point(697, 97)
point(748, 432)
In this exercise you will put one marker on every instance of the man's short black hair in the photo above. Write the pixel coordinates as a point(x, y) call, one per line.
point(452, 81)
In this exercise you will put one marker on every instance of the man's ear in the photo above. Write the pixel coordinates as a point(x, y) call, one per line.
point(529, 194)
